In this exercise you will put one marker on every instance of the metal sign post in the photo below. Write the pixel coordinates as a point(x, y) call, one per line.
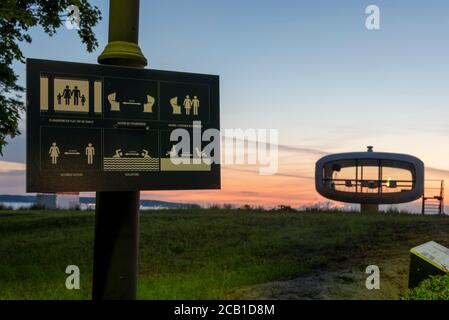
point(117, 213)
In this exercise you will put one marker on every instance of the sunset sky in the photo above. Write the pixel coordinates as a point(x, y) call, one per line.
point(309, 69)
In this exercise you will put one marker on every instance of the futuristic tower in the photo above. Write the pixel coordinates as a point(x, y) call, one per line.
point(370, 178)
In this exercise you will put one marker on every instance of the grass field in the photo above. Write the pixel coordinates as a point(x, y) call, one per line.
point(213, 254)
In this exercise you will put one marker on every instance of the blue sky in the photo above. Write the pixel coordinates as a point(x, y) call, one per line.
point(308, 68)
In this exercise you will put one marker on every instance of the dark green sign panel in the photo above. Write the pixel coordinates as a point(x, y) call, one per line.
point(428, 259)
point(109, 128)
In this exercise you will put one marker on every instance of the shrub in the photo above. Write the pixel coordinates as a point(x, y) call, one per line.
point(5, 207)
point(214, 207)
point(37, 206)
point(228, 206)
point(246, 207)
point(434, 288)
point(283, 207)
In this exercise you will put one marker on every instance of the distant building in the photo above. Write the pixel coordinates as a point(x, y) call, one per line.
point(66, 200)
point(370, 178)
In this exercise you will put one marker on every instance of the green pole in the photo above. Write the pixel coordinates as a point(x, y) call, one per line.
point(117, 213)
point(122, 48)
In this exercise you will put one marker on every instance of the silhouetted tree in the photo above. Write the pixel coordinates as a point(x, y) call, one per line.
point(16, 18)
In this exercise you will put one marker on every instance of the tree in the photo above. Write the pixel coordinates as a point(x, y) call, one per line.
point(16, 18)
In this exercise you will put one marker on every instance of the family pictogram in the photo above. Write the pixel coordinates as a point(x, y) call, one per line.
point(67, 94)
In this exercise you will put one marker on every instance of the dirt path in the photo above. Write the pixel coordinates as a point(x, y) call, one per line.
point(346, 282)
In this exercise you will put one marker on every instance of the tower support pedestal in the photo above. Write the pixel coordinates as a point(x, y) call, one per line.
point(365, 207)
